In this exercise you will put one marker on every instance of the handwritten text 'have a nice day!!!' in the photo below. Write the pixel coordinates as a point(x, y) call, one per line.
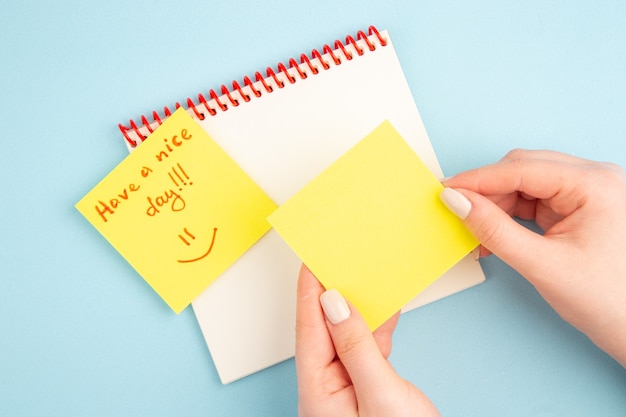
point(169, 197)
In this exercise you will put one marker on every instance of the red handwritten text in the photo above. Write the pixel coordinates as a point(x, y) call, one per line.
point(172, 143)
point(109, 207)
point(169, 197)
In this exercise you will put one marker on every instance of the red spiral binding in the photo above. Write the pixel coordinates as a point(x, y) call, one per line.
point(216, 103)
point(350, 40)
point(191, 105)
point(283, 69)
point(237, 88)
point(203, 101)
point(294, 64)
point(155, 116)
point(305, 59)
point(136, 130)
point(360, 35)
point(146, 123)
point(316, 55)
point(270, 73)
point(259, 77)
point(328, 50)
point(167, 111)
point(248, 82)
point(233, 100)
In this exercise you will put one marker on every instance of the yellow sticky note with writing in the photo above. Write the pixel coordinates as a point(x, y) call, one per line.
point(373, 227)
point(179, 209)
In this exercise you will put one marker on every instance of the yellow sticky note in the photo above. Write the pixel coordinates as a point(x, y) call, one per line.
point(179, 209)
point(373, 227)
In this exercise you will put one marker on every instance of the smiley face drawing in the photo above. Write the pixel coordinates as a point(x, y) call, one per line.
point(187, 242)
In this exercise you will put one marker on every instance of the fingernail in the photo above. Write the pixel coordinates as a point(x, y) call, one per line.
point(456, 202)
point(335, 307)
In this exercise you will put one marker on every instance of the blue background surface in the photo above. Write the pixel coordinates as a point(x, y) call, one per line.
point(82, 334)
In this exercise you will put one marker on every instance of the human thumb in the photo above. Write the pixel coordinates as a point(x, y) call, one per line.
point(355, 345)
point(496, 230)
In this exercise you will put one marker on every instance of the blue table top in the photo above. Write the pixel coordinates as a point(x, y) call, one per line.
point(82, 334)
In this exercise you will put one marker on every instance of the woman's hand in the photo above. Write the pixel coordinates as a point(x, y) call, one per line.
point(579, 264)
point(342, 368)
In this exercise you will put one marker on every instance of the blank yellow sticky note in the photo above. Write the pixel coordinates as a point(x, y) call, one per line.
point(179, 209)
point(373, 227)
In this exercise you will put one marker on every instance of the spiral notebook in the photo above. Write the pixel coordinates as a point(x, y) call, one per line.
point(284, 128)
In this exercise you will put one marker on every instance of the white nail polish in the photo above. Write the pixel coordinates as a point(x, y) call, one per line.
point(335, 307)
point(456, 202)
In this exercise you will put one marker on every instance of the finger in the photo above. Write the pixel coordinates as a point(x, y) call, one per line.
point(355, 345)
point(314, 348)
point(483, 252)
point(501, 235)
point(383, 335)
point(547, 155)
point(536, 178)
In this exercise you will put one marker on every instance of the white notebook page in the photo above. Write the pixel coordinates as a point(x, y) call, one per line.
point(283, 140)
